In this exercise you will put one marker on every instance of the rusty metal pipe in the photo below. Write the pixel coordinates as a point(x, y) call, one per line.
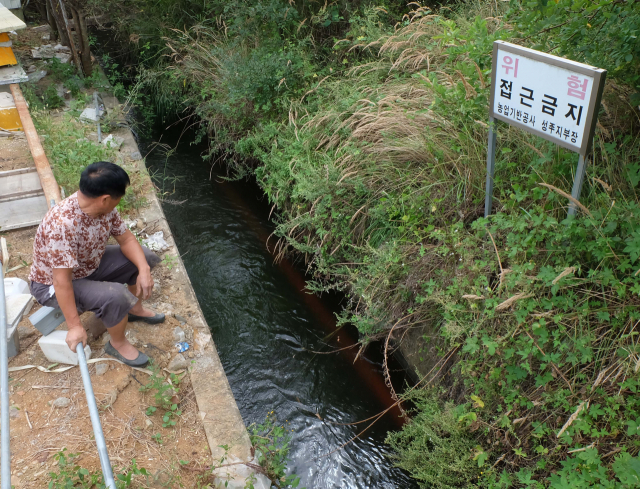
point(48, 181)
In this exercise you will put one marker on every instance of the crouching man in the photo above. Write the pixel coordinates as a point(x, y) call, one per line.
point(74, 269)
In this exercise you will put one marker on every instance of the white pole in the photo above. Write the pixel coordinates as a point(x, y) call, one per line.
point(491, 167)
point(107, 472)
point(5, 470)
point(577, 184)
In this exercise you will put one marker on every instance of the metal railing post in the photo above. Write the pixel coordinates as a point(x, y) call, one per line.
point(107, 472)
point(5, 469)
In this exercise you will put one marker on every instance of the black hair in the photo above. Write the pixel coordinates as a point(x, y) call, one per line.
point(104, 178)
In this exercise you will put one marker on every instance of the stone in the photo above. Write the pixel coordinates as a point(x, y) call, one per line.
point(180, 319)
point(202, 340)
point(94, 325)
point(60, 47)
point(178, 334)
point(25, 332)
point(14, 412)
point(63, 57)
point(179, 362)
point(111, 397)
point(135, 155)
point(132, 337)
point(31, 68)
point(36, 76)
point(105, 338)
point(61, 402)
point(148, 423)
point(101, 368)
point(140, 224)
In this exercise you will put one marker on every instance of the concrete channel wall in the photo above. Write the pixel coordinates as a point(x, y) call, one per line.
point(222, 421)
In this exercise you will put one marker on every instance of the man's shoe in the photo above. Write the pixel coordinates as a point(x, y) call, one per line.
point(140, 361)
point(158, 318)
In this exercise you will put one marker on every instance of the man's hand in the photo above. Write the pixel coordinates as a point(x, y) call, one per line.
point(144, 284)
point(63, 286)
point(75, 336)
point(133, 251)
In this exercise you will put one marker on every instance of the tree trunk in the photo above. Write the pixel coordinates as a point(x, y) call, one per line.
point(53, 35)
point(83, 38)
point(58, 20)
point(44, 16)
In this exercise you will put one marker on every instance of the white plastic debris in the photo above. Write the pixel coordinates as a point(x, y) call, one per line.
point(156, 242)
point(112, 141)
point(89, 114)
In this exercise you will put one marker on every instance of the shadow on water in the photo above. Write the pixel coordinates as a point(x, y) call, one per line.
point(266, 329)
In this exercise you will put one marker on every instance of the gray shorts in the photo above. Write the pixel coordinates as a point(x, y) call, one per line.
point(102, 292)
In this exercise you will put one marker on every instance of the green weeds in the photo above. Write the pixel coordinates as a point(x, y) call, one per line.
point(165, 392)
point(271, 444)
point(169, 261)
point(164, 389)
point(70, 474)
point(69, 148)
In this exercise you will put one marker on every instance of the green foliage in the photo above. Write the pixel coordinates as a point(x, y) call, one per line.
point(51, 99)
point(71, 475)
point(602, 33)
point(68, 148)
point(271, 444)
point(164, 391)
point(169, 261)
point(435, 448)
point(60, 72)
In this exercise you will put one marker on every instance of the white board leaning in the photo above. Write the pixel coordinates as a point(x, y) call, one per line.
point(551, 97)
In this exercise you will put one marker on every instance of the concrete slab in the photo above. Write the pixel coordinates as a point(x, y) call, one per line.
point(12, 74)
point(17, 305)
point(9, 22)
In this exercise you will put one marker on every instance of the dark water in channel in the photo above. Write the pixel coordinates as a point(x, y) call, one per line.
point(263, 326)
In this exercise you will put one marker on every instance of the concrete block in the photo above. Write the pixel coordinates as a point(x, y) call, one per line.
point(55, 349)
point(13, 342)
point(47, 319)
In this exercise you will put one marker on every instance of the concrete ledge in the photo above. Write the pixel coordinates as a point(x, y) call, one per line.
point(222, 421)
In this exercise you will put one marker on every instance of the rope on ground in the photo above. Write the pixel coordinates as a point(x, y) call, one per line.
point(64, 369)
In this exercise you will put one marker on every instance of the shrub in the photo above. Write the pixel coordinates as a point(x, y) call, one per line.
point(435, 447)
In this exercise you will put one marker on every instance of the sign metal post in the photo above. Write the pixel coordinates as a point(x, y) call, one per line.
point(491, 166)
point(551, 97)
